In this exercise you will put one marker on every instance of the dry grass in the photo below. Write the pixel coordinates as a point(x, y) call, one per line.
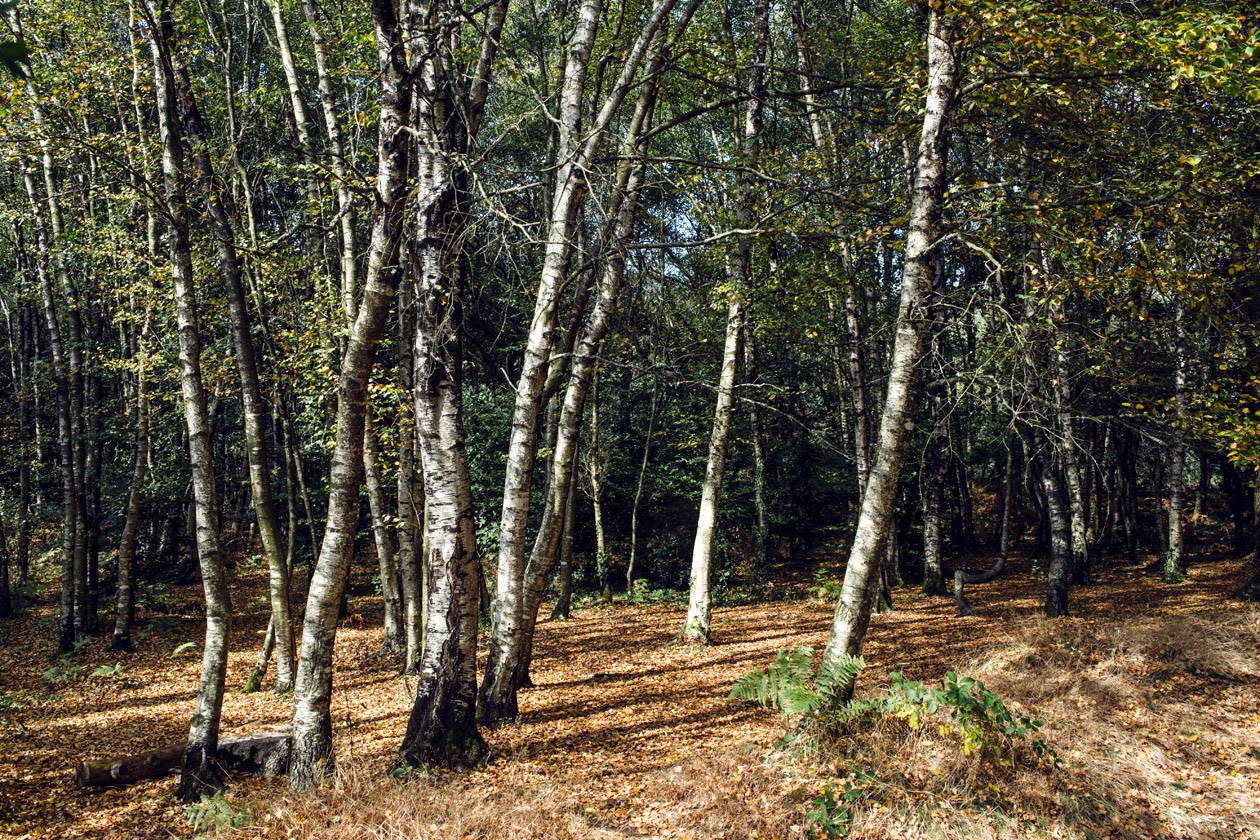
point(725, 795)
point(1153, 722)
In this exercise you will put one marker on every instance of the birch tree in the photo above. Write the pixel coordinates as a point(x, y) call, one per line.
point(312, 753)
point(198, 772)
point(578, 147)
point(913, 327)
point(442, 729)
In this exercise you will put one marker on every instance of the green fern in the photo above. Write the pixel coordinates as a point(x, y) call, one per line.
point(785, 685)
point(837, 673)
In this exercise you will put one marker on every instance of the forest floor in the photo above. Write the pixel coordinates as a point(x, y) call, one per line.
point(1150, 700)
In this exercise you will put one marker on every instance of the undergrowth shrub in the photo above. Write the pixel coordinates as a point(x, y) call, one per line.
point(214, 815)
point(978, 716)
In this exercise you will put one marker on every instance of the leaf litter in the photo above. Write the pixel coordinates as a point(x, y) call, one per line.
point(1151, 702)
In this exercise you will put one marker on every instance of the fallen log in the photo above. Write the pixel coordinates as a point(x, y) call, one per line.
point(258, 754)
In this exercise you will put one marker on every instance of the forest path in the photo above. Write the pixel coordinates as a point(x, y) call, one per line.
point(624, 735)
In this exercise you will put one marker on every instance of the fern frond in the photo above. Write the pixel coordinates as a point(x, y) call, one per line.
point(752, 687)
point(784, 685)
point(836, 673)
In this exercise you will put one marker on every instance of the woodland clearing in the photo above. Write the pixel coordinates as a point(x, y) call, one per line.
point(1149, 701)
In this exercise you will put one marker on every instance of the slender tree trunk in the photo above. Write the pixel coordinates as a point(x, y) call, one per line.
point(29, 452)
point(70, 499)
point(913, 327)
point(596, 472)
point(1059, 571)
point(72, 354)
point(253, 404)
point(696, 627)
point(291, 503)
point(1126, 455)
point(259, 671)
point(857, 387)
point(341, 169)
point(614, 241)
point(939, 454)
point(126, 598)
point(1174, 560)
point(699, 603)
point(564, 598)
point(638, 488)
point(761, 540)
point(6, 599)
point(385, 552)
point(410, 491)
point(578, 146)
point(1071, 447)
point(299, 472)
point(1157, 499)
point(312, 754)
point(198, 772)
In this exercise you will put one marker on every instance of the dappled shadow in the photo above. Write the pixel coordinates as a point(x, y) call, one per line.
point(613, 698)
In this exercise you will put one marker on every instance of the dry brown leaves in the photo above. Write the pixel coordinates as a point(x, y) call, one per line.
point(625, 736)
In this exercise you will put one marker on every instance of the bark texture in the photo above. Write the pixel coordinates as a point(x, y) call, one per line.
point(199, 771)
point(312, 724)
point(913, 326)
point(578, 146)
point(442, 728)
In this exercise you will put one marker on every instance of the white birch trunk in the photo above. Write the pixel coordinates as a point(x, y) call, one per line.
point(699, 601)
point(497, 698)
point(442, 729)
point(1174, 561)
point(696, 626)
point(312, 754)
point(913, 325)
point(198, 772)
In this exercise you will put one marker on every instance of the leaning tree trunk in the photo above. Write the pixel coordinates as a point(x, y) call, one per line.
point(198, 772)
point(614, 240)
point(579, 144)
point(253, 404)
point(312, 722)
point(699, 602)
point(913, 326)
